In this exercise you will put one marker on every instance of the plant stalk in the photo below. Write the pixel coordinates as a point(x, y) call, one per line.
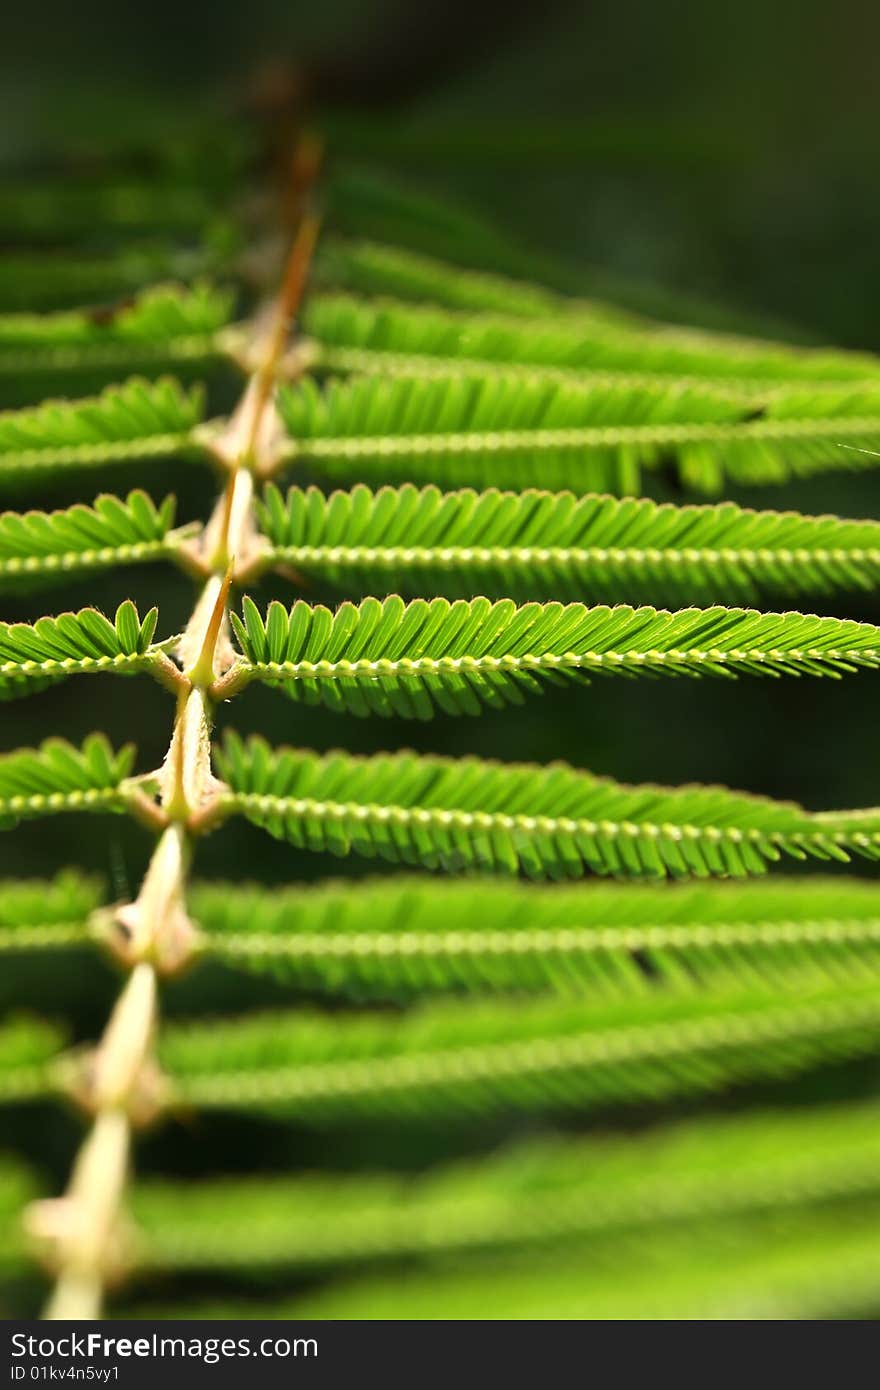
point(84, 1229)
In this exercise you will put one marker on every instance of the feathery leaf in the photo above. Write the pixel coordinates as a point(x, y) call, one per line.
point(37, 914)
point(802, 1266)
point(499, 429)
point(403, 936)
point(396, 658)
point(552, 545)
point(553, 821)
point(409, 331)
point(60, 777)
point(36, 547)
point(532, 1194)
point(165, 323)
point(376, 268)
point(28, 1047)
point(801, 431)
point(369, 267)
point(137, 420)
point(33, 656)
point(460, 1057)
point(590, 435)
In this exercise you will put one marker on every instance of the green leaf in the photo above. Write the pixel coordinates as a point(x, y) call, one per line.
point(449, 1059)
point(815, 1265)
point(128, 627)
point(554, 821)
point(35, 655)
point(417, 334)
point(28, 1047)
point(500, 429)
point(138, 420)
point(373, 268)
point(165, 323)
point(47, 914)
point(552, 545)
point(370, 268)
point(59, 777)
point(39, 547)
point(393, 658)
point(532, 1195)
point(393, 938)
point(591, 435)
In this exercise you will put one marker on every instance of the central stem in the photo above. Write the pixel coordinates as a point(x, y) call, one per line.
point(84, 1231)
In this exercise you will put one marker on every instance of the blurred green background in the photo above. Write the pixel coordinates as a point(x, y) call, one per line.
point(708, 163)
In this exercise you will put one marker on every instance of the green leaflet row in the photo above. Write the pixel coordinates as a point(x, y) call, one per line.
point(58, 777)
point(529, 545)
point(453, 1060)
point(538, 544)
point(495, 431)
point(34, 655)
point(404, 937)
point(408, 659)
point(817, 1265)
point(596, 435)
point(581, 1191)
point(397, 658)
point(548, 822)
point(38, 548)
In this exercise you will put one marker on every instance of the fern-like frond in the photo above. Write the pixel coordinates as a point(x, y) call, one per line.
point(137, 420)
point(462, 1057)
point(589, 435)
point(41, 546)
point(165, 323)
point(404, 936)
point(57, 777)
point(370, 267)
point(406, 659)
point(376, 268)
point(28, 1048)
point(550, 545)
point(37, 914)
point(351, 412)
point(35, 655)
point(550, 1191)
point(801, 432)
point(497, 429)
point(803, 1266)
point(414, 331)
point(553, 821)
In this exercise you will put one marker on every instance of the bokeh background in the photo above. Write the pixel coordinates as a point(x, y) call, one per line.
point(710, 164)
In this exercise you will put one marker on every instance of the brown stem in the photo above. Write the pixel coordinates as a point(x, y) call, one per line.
point(153, 934)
